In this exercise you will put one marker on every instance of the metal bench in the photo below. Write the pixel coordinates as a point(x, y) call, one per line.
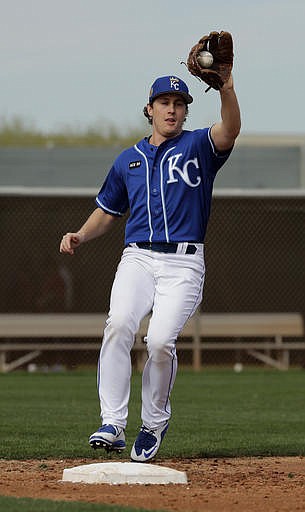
point(268, 330)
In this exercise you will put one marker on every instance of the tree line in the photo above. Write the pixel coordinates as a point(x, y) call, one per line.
point(16, 132)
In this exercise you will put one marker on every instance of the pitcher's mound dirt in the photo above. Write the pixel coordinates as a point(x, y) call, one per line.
point(215, 485)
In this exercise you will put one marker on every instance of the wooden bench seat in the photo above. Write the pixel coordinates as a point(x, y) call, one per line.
point(268, 331)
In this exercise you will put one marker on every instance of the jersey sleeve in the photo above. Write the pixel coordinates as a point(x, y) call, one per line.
point(211, 159)
point(113, 197)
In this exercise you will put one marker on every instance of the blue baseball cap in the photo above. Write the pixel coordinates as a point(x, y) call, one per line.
point(169, 85)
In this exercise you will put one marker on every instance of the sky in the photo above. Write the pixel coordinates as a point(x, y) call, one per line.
point(81, 63)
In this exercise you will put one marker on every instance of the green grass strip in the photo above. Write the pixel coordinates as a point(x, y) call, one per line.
point(216, 413)
point(9, 504)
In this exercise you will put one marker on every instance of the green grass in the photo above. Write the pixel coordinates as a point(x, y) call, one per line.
point(33, 505)
point(256, 412)
point(215, 413)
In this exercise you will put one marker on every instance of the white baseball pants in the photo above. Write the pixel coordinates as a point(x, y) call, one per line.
point(170, 287)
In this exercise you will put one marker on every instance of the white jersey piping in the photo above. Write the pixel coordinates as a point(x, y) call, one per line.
point(148, 191)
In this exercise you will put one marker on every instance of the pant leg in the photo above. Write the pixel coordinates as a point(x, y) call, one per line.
point(179, 288)
point(131, 299)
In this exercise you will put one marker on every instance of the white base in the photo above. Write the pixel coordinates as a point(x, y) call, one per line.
point(123, 473)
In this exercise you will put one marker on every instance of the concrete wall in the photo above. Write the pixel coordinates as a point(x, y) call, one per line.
point(256, 162)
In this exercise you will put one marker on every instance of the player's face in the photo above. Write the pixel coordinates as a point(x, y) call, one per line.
point(168, 114)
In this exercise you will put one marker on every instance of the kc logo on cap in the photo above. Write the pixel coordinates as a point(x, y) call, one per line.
point(174, 81)
point(169, 85)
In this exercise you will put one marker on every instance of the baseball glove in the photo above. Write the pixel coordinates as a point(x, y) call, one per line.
point(220, 45)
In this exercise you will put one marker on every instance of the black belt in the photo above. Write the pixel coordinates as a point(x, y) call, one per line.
point(165, 247)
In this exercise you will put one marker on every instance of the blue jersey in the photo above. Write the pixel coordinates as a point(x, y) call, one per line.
point(167, 189)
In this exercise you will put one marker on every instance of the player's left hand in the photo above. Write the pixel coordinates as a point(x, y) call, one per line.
point(220, 45)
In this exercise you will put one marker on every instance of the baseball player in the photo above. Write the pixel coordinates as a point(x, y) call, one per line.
point(165, 181)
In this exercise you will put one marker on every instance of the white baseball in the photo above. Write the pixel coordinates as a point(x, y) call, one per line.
point(205, 59)
point(238, 367)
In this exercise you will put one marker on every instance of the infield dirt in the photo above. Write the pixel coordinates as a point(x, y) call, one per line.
point(214, 485)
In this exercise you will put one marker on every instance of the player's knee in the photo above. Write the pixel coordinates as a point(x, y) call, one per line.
point(121, 323)
point(160, 348)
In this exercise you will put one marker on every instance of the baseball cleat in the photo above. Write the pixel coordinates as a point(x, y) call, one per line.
point(147, 443)
point(109, 437)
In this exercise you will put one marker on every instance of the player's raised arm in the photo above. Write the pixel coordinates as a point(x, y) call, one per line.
point(96, 225)
point(225, 132)
point(211, 59)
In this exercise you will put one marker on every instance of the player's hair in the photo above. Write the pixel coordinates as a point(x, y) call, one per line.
point(146, 114)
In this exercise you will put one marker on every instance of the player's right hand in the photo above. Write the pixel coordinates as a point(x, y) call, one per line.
point(69, 242)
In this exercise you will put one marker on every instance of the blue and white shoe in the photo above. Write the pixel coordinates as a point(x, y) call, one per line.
point(110, 437)
point(147, 443)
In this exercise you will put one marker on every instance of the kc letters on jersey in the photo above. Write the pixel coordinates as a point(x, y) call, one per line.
point(172, 167)
point(183, 173)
